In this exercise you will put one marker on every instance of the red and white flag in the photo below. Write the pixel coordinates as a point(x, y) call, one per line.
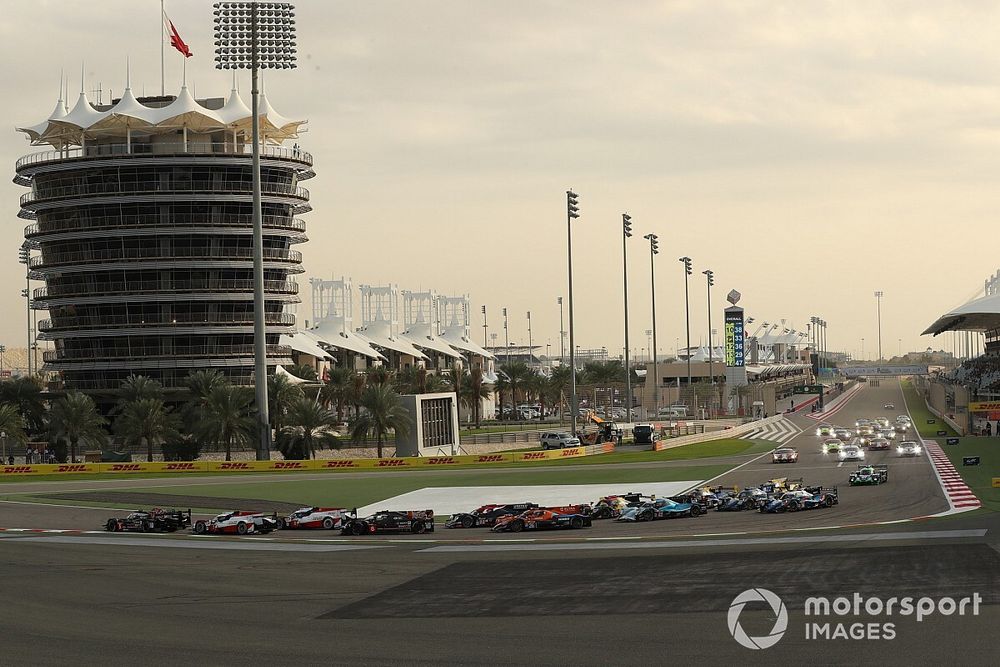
point(175, 37)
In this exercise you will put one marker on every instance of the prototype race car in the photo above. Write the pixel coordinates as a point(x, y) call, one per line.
point(418, 521)
point(661, 508)
point(611, 507)
point(327, 518)
point(155, 520)
point(908, 448)
point(486, 515)
point(869, 475)
point(747, 499)
point(832, 445)
point(781, 484)
point(804, 499)
point(237, 522)
point(706, 497)
point(785, 455)
point(541, 518)
point(889, 406)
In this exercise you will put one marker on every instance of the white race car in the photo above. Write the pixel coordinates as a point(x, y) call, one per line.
point(851, 452)
point(908, 448)
point(327, 518)
point(237, 522)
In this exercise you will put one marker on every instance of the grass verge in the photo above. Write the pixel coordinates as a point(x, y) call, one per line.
point(920, 414)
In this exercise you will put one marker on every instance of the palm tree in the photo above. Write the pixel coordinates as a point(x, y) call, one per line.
point(226, 417)
point(25, 394)
point(309, 425)
point(336, 390)
point(74, 418)
point(202, 383)
point(560, 380)
point(281, 394)
point(380, 375)
point(303, 372)
point(147, 420)
point(136, 388)
point(12, 424)
point(536, 386)
point(382, 414)
point(476, 392)
point(517, 374)
point(358, 383)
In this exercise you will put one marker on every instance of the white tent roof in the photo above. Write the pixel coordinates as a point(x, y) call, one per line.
point(303, 344)
point(184, 111)
point(421, 336)
point(35, 132)
point(332, 334)
point(234, 109)
point(293, 379)
point(455, 336)
point(127, 114)
point(982, 314)
point(379, 334)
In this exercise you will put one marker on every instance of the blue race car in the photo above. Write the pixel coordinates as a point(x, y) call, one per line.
point(802, 499)
point(747, 499)
point(661, 508)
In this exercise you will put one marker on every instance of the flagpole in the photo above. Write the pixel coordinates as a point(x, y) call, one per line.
point(163, 37)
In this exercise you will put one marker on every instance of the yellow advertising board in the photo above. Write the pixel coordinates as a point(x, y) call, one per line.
point(49, 468)
point(984, 406)
point(258, 466)
point(996, 482)
point(344, 464)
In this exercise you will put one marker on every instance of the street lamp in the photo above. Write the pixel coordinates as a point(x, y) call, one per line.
point(686, 261)
point(562, 333)
point(649, 342)
point(654, 249)
point(486, 327)
point(506, 338)
point(626, 234)
point(878, 308)
point(529, 336)
point(572, 212)
point(255, 36)
point(710, 280)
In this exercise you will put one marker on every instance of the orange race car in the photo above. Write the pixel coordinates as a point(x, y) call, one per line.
point(541, 519)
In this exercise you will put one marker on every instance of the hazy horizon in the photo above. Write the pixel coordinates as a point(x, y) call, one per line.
point(808, 154)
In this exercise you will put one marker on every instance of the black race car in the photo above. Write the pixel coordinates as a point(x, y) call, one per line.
point(155, 520)
point(486, 515)
point(417, 521)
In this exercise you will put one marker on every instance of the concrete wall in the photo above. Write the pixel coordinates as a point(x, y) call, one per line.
point(734, 432)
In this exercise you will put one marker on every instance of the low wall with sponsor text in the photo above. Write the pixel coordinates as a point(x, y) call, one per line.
point(286, 466)
point(734, 432)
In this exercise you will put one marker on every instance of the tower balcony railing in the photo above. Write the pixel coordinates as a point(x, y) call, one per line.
point(177, 286)
point(48, 259)
point(57, 192)
point(144, 150)
point(157, 320)
point(154, 220)
point(149, 352)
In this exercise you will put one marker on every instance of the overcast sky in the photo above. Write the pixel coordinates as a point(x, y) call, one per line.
point(807, 152)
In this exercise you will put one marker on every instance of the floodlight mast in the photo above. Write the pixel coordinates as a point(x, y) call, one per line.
point(269, 27)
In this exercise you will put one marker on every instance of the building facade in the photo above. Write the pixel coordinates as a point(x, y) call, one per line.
point(141, 229)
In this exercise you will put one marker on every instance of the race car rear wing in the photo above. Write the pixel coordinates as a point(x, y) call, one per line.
point(874, 466)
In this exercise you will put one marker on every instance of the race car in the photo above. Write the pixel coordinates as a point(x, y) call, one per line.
point(706, 498)
point(842, 434)
point(781, 484)
point(661, 508)
point(902, 426)
point(237, 522)
point(869, 475)
point(748, 499)
point(486, 515)
point(610, 507)
point(832, 445)
point(889, 406)
point(878, 444)
point(155, 520)
point(851, 453)
point(803, 499)
point(785, 455)
point(908, 448)
point(540, 518)
point(881, 422)
point(327, 518)
point(824, 430)
point(386, 521)
point(862, 422)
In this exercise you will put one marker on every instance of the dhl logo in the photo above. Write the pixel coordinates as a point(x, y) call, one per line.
point(179, 466)
point(390, 463)
point(234, 465)
point(531, 456)
point(490, 458)
point(288, 465)
point(125, 467)
point(16, 469)
point(79, 467)
point(569, 452)
point(341, 464)
point(441, 461)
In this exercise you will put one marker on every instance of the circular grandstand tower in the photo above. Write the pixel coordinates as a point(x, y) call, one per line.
point(142, 232)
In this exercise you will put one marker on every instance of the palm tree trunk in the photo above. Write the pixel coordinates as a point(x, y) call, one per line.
point(72, 450)
point(229, 448)
point(149, 449)
point(340, 409)
point(378, 442)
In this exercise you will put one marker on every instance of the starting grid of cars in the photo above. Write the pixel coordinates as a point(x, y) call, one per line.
point(773, 496)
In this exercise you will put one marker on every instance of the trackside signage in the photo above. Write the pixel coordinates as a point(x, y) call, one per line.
point(855, 617)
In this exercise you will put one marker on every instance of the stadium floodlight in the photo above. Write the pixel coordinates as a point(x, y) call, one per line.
point(572, 212)
point(686, 261)
point(710, 279)
point(654, 249)
point(254, 36)
point(626, 235)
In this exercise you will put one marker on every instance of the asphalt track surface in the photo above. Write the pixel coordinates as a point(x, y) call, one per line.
point(72, 599)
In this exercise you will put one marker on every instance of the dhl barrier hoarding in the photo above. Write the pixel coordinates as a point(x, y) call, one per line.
point(155, 466)
point(550, 454)
point(258, 466)
point(468, 459)
point(49, 468)
point(996, 482)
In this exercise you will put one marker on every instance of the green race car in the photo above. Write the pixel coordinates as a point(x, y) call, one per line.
point(869, 475)
point(832, 445)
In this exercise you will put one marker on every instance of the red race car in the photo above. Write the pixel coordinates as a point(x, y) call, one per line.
point(238, 522)
point(785, 455)
point(327, 518)
point(541, 519)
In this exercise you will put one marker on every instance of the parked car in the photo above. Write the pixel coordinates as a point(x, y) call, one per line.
point(645, 434)
point(558, 440)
